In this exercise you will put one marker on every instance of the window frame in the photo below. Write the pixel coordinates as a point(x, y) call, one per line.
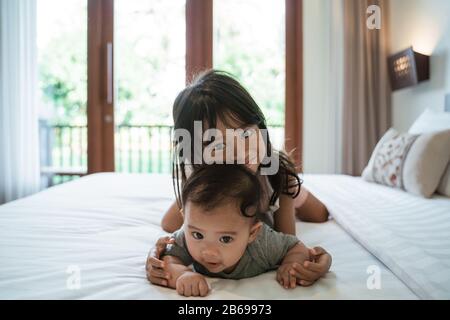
point(199, 56)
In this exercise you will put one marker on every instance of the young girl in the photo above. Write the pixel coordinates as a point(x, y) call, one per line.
point(218, 101)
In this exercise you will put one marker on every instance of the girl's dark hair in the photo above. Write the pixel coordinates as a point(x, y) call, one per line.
point(212, 185)
point(216, 94)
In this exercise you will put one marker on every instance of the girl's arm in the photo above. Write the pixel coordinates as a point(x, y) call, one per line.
point(305, 206)
point(284, 218)
point(172, 220)
point(308, 208)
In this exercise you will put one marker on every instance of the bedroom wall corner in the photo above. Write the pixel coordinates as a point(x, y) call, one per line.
point(424, 24)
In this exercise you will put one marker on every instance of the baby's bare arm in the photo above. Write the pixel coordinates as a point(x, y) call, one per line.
point(298, 253)
point(176, 268)
point(296, 256)
point(183, 279)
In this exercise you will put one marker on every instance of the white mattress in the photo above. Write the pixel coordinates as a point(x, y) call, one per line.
point(103, 225)
point(410, 234)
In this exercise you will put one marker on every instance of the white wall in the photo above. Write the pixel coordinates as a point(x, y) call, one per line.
point(424, 24)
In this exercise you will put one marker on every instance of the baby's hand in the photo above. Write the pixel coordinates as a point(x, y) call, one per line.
point(284, 277)
point(192, 284)
point(311, 271)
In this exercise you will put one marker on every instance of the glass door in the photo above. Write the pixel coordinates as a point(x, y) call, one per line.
point(149, 71)
point(249, 42)
point(62, 77)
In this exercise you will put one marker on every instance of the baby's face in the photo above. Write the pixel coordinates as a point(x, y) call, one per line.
point(217, 238)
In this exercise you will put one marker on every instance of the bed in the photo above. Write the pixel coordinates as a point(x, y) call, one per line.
point(385, 243)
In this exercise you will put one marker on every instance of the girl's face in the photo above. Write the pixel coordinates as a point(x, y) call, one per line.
point(243, 144)
point(218, 238)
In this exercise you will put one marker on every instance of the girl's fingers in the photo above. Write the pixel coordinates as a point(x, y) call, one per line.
point(156, 263)
point(159, 273)
point(285, 278)
point(312, 252)
point(292, 280)
point(280, 277)
point(303, 273)
point(279, 273)
point(157, 281)
point(282, 282)
point(314, 266)
point(171, 241)
point(158, 251)
point(148, 266)
point(319, 250)
point(155, 253)
point(160, 246)
point(162, 241)
point(305, 283)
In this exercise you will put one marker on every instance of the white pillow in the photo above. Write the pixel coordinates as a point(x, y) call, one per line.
point(415, 163)
point(444, 185)
point(430, 121)
point(426, 162)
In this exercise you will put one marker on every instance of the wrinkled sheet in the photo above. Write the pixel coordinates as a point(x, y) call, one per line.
point(89, 238)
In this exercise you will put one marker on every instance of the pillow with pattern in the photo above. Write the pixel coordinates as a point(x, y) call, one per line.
point(411, 162)
point(389, 159)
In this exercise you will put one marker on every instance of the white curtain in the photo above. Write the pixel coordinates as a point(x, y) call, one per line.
point(323, 85)
point(19, 148)
point(336, 82)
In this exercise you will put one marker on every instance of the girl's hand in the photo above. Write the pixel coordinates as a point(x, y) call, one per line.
point(154, 267)
point(311, 271)
point(192, 284)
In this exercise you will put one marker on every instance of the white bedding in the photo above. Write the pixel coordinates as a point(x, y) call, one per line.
point(410, 234)
point(103, 225)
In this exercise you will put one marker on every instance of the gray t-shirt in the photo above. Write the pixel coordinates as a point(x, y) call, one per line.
point(265, 253)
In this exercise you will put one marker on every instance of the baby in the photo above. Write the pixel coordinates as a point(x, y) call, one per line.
point(223, 237)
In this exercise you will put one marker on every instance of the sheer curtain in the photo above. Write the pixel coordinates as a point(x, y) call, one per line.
point(336, 84)
point(19, 148)
point(323, 86)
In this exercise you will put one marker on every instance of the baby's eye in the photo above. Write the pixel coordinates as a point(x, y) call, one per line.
point(197, 235)
point(219, 146)
point(247, 133)
point(226, 239)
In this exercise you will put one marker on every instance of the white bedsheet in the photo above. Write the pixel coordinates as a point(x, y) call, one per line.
point(410, 234)
point(103, 226)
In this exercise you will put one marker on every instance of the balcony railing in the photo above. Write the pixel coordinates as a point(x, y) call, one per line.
point(139, 149)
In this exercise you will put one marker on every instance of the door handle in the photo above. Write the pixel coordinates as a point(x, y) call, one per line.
point(109, 73)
